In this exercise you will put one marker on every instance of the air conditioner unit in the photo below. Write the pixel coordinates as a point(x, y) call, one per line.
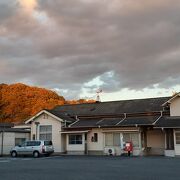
point(109, 151)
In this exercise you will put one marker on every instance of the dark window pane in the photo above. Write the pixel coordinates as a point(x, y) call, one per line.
point(75, 139)
point(95, 137)
point(47, 143)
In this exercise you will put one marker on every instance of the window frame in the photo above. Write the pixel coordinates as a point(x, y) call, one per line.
point(177, 137)
point(75, 140)
point(46, 133)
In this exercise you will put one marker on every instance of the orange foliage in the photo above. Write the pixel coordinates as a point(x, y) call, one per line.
point(19, 102)
point(80, 101)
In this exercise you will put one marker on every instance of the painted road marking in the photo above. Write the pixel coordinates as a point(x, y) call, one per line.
point(4, 161)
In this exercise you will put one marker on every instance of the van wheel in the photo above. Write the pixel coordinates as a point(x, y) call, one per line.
point(13, 154)
point(35, 154)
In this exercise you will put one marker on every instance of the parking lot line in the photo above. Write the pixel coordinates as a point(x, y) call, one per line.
point(4, 161)
point(25, 159)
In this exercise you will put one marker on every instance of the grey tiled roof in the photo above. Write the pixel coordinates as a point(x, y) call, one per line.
point(172, 121)
point(86, 123)
point(18, 130)
point(141, 120)
point(61, 115)
point(97, 114)
point(115, 107)
point(7, 125)
point(116, 122)
point(109, 121)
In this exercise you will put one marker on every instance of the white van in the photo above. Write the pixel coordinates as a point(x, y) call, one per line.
point(34, 148)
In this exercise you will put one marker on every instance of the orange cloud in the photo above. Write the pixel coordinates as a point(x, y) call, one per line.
point(28, 5)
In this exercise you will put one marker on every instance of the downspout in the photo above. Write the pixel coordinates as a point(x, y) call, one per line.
point(77, 119)
point(2, 143)
point(158, 118)
point(125, 115)
point(37, 124)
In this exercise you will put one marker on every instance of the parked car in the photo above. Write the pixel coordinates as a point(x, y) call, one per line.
point(35, 148)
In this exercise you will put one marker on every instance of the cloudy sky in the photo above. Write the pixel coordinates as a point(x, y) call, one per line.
point(128, 48)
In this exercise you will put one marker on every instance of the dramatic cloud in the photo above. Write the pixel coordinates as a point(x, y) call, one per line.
point(66, 44)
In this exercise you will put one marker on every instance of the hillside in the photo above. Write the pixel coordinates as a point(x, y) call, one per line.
point(18, 101)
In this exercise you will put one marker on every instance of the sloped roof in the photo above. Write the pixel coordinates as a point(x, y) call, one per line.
point(172, 98)
point(109, 122)
point(61, 115)
point(140, 120)
point(6, 125)
point(18, 130)
point(168, 122)
point(116, 122)
point(114, 107)
point(85, 123)
point(57, 115)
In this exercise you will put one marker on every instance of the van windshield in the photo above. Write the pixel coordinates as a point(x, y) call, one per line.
point(48, 143)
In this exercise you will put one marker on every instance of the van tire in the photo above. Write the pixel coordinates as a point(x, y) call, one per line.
point(35, 154)
point(13, 154)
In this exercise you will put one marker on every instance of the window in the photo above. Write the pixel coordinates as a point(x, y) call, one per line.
point(116, 139)
point(109, 139)
point(131, 137)
point(75, 139)
point(169, 139)
point(23, 144)
point(19, 141)
point(45, 132)
point(48, 143)
point(126, 137)
point(94, 138)
point(33, 143)
point(112, 139)
point(177, 137)
point(34, 137)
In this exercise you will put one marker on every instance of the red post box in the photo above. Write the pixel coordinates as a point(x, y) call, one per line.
point(128, 147)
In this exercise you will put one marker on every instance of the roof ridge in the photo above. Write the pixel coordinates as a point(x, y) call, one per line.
point(112, 101)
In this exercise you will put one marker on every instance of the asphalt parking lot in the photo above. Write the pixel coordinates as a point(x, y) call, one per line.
point(90, 168)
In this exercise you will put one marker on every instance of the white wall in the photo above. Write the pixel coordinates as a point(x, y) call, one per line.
point(75, 148)
point(175, 107)
point(9, 140)
point(100, 145)
point(175, 111)
point(22, 135)
point(56, 128)
point(176, 146)
point(95, 146)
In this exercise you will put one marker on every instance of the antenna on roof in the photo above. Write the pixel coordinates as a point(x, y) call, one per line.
point(98, 99)
point(174, 93)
